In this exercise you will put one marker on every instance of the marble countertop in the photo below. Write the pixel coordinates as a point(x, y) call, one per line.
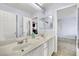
point(15, 49)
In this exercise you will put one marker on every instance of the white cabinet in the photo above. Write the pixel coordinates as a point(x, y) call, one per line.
point(45, 49)
point(36, 52)
point(29, 54)
point(51, 46)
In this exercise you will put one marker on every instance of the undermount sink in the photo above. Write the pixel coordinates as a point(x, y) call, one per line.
point(22, 47)
point(25, 45)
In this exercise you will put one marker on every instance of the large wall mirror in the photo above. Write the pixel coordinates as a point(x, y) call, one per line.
point(13, 26)
point(45, 24)
point(7, 26)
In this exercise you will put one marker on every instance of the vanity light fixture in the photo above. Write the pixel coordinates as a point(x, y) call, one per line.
point(35, 6)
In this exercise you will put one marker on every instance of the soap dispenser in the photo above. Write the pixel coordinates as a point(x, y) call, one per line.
point(33, 35)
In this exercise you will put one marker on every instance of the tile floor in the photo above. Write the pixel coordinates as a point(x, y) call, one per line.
point(66, 47)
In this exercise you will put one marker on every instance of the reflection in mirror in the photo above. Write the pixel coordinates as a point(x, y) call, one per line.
point(13, 26)
point(7, 27)
point(45, 24)
point(35, 25)
point(19, 26)
point(26, 26)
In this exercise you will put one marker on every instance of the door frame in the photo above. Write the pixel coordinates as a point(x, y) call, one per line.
point(56, 18)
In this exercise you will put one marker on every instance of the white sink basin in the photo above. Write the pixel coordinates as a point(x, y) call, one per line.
point(22, 47)
point(25, 46)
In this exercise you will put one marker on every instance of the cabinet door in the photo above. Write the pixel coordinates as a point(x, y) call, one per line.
point(38, 51)
point(51, 46)
point(46, 48)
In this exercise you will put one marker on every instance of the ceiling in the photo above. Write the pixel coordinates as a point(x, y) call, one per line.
point(30, 8)
point(55, 5)
point(27, 7)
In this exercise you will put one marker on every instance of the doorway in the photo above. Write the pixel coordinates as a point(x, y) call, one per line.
point(66, 31)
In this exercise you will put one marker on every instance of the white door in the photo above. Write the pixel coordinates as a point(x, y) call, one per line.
point(67, 27)
point(26, 26)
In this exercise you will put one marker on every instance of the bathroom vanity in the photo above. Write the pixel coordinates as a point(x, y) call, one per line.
point(20, 25)
point(40, 46)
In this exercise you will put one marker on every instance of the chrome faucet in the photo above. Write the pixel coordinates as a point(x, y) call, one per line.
point(20, 41)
